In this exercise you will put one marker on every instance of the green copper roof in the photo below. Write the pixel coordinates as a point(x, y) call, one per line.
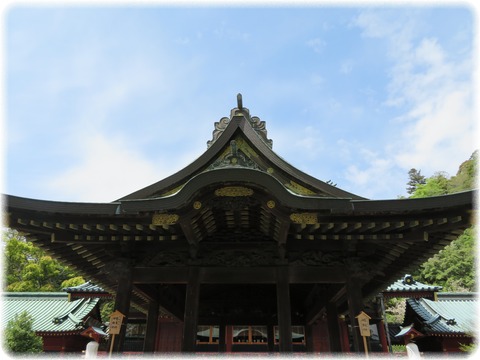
point(51, 312)
point(409, 284)
point(453, 313)
point(87, 289)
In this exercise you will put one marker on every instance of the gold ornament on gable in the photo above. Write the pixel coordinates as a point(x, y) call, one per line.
point(298, 189)
point(304, 218)
point(234, 191)
point(165, 219)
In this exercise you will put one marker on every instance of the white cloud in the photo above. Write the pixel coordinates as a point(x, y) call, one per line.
point(442, 135)
point(309, 142)
point(316, 44)
point(346, 67)
point(434, 91)
point(108, 170)
point(377, 174)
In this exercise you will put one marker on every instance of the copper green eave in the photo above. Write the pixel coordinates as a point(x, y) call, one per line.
point(51, 312)
point(453, 314)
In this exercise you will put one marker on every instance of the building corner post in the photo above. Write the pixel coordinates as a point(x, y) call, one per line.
point(284, 310)
point(190, 320)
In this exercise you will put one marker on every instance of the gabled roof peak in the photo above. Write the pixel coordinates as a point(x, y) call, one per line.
point(240, 111)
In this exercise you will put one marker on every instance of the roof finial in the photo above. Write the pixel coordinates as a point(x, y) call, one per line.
point(239, 101)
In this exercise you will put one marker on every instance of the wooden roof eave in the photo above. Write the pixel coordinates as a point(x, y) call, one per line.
point(244, 175)
point(399, 205)
point(29, 204)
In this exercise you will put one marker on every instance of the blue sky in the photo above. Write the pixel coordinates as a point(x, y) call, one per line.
point(100, 101)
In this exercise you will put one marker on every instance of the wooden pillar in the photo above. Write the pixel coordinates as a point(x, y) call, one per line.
point(342, 323)
point(151, 330)
point(309, 338)
point(122, 300)
point(383, 336)
point(355, 305)
point(190, 319)
point(270, 338)
point(284, 310)
point(228, 338)
point(221, 337)
point(333, 328)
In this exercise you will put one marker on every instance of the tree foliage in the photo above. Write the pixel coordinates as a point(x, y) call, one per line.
point(416, 178)
point(19, 337)
point(438, 184)
point(29, 268)
point(453, 268)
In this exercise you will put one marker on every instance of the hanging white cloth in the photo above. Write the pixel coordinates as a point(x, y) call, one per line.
point(91, 350)
point(412, 351)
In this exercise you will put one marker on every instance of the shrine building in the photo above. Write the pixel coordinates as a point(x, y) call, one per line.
point(242, 252)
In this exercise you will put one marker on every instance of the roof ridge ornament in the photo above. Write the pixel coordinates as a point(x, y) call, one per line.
point(239, 101)
point(257, 125)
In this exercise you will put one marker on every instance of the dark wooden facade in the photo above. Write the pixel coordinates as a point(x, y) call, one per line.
point(240, 237)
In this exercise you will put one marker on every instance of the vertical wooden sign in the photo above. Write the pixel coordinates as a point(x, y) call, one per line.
point(115, 325)
point(364, 327)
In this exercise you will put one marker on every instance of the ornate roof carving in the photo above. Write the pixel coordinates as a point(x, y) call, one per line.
point(257, 125)
point(235, 157)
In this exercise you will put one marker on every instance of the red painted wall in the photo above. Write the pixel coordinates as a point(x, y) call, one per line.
point(452, 344)
point(65, 343)
point(169, 336)
point(320, 337)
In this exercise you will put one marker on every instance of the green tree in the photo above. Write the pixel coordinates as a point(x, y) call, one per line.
point(416, 178)
point(29, 268)
point(438, 184)
point(75, 281)
point(453, 268)
point(466, 176)
point(106, 309)
point(20, 338)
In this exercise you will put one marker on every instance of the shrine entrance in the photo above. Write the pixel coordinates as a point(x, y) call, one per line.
point(243, 247)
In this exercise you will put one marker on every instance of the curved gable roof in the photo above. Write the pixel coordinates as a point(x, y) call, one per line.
point(241, 141)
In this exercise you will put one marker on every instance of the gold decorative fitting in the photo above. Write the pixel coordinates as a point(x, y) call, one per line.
point(270, 170)
point(298, 189)
point(234, 191)
point(165, 219)
point(304, 218)
point(271, 204)
point(197, 205)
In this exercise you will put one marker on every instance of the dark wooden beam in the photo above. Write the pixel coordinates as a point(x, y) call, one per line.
point(238, 275)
